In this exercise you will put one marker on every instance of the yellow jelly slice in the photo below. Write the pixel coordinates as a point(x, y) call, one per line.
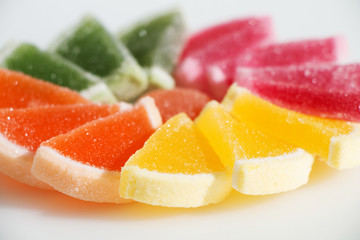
point(336, 142)
point(261, 164)
point(176, 168)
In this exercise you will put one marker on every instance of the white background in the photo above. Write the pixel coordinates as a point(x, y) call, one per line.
point(327, 208)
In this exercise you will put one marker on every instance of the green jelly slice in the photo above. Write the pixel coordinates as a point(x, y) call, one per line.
point(93, 48)
point(30, 60)
point(156, 41)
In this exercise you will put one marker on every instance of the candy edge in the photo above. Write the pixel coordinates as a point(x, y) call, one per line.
point(246, 172)
point(344, 150)
point(76, 179)
point(173, 190)
point(16, 162)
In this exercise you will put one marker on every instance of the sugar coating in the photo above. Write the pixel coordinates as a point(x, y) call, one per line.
point(173, 190)
point(260, 176)
point(19, 90)
point(76, 179)
point(90, 46)
point(177, 147)
point(296, 52)
point(218, 45)
point(29, 127)
point(250, 30)
point(311, 133)
point(323, 90)
point(233, 140)
point(156, 41)
point(106, 143)
point(178, 100)
point(29, 59)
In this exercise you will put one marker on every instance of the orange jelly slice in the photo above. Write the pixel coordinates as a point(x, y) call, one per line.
point(28, 127)
point(19, 90)
point(107, 143)
point(23, 130)
point(86, 162)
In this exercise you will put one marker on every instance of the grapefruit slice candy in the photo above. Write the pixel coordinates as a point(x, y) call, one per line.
point(86, 163)
point(175, 168)
point(260, 163)
point(20, 91)
point(331, 91)
point(335, 142)
point(22, 131)
point(178, 100)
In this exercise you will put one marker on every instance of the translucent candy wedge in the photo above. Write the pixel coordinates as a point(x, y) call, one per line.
point(156, 41)
point(260, 163)
point(23, 130)
point(93, 48)
point(86, 163)
point(20, 91)
point(331, 91)
point(175, 168)
point(206, 51)
point(314, 51)
point(336, 142)
point(30, 60)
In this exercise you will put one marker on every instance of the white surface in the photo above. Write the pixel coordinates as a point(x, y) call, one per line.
point(327, 208)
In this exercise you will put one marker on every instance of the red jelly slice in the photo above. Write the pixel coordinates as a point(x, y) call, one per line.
point(216, 44)
point(178, 100)
point(331, 91)
point(85, 163)
point(22, 130)
point(298, 52)
point(19, 91)
point(220, 75)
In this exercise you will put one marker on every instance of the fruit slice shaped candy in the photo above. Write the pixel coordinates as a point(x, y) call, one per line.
point(156, 41)
point(324, 50)
point(260, 164)
point(22, 131)
point(335, 142)
point(327, 50)
point(92, 47)
point(178, 100)
point(85, 163)
point(30, 60)
point(331, 91)
point(218, 44)
point(176, 168)
point(20, 91)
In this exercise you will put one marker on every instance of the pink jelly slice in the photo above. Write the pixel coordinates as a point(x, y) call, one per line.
point(331, 91)
point(216, 44)
point(18, 90)
point(281, 54)
point(28, 127)
point(328, 50)
point(106, 143)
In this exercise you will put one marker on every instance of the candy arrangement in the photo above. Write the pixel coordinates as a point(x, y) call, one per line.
point(152, 115)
